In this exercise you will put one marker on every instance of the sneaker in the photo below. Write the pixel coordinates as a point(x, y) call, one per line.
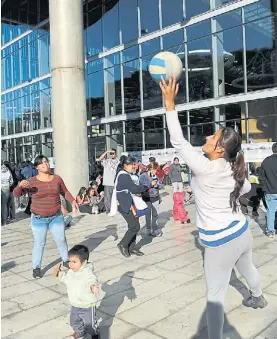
point(124, 251)
point(156, 233)
point(255, 302)
point(37, 273)
point(270, 234)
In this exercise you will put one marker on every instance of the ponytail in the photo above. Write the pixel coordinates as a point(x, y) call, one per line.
point(230, 140)
point(238, 168)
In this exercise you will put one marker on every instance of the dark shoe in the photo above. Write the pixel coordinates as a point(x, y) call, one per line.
point(66, 264)
point(255, 214)
point(137, 252)
point(255, 302)
point(124, 251)
point(37, 273)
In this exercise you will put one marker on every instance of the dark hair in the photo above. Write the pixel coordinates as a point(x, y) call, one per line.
point(124, 160)
point(274, 147)
point(79, 251)
point(152, 165)
point(114, 150)
point(176, 158)
point(82, 190)
point(38, 160)
point(152, 159)
point(230, 140)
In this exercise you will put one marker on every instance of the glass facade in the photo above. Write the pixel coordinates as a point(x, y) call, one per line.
point(228, 50)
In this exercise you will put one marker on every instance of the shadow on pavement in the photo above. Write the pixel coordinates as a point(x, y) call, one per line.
point(7, 266)
point(216, 316)
point(111, 307)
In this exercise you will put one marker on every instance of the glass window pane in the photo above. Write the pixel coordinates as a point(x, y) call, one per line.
point(128, 20)
point(130, 53)
point(263, 120)
point(200, 69)
point(229, 58)
point(116, 136)
point(172, 12)
point(110, 25)
point(113, 89)
point(183, 122)
point(152, 97)
point(199, 30)
point(151, 47)
point(198, 134)
point(149, 16)
point(93, 32)
point(131, 86)
point(133, 135)
point(112, 59)
point(94, 66)
point(154, 132)
point(193, 8)
point(203, 115)
point(228, 20)
point(95, 96)
point(173, 39)
point(96, 145)
point(260, 48)
point(258, 10)
point(219, 3)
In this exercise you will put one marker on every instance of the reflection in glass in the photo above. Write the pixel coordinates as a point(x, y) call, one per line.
point(96, 147)
point(199, 30)
point(193, 8)
point(228, 20)
point(229, 57)
point(149, 16)
point(131, 86)
point(200, 69)
point(133, 135)
point(110, 25)
point(128, 20)
point(113, 90)
point(154, 132)
point(172, 12)
point(95, 96)
point(263, 120)
point(258, 10)
point(93, 32)
point(198, 133)
point(116, 136)
point(152, 97)
point(151, 47)
point(260, 54)
point(173, 39)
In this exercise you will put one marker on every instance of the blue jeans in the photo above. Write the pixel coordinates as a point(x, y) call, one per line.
point(271, 202)
point(40, 227)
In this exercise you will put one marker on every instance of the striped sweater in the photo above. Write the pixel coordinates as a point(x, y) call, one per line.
point(46, 199)
point(212, 184)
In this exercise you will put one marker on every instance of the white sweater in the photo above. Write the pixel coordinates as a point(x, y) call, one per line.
point(212, 184)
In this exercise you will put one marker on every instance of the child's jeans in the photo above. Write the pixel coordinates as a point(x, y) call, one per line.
point(40, 227)
point(83, 321)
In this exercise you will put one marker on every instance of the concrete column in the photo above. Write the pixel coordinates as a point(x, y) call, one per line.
point(68, 93)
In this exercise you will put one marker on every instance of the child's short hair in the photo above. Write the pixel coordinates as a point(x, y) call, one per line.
point(79, 251)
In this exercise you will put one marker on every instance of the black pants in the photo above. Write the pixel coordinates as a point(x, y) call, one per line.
point(129, 239)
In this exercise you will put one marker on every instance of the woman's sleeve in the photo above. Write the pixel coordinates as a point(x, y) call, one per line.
point(126, 182)
point(64, 191)
point(18, 192)
point(193, 158)
point(143, 180)
point(246, 187)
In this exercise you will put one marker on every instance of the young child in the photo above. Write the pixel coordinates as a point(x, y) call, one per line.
point(82, 288)
point(179, 212)
point(94, 200)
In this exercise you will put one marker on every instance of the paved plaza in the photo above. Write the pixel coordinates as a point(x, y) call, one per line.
point(160, 295)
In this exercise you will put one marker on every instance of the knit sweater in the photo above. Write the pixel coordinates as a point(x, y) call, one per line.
point(212, 184)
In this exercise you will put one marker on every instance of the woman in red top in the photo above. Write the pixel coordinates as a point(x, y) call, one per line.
point(46, 189)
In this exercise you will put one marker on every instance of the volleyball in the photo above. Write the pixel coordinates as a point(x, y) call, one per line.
point(166, 65)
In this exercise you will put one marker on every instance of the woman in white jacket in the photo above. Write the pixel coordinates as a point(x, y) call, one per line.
point(219, 180)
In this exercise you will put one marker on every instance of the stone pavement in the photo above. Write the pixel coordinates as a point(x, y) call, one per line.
point(160, 295)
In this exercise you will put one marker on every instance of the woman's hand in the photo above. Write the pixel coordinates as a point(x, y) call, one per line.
point(23, 184)
point(169, 91)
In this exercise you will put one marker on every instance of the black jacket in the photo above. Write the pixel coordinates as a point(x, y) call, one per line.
point(268, 174)
point(125, 182)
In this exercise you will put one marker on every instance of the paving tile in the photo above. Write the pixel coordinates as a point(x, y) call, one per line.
point(272, 289)
point(35, 298)
point(33, 316)
point(269, 333)
point(8, 307)
point(19, 289)
point(11, 279)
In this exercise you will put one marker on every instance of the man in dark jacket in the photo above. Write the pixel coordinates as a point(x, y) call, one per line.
point(268, 179)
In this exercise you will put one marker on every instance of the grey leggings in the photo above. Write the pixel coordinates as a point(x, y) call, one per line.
point(219, 263)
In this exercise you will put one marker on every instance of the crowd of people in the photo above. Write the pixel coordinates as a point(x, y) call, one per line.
point(222, 196)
